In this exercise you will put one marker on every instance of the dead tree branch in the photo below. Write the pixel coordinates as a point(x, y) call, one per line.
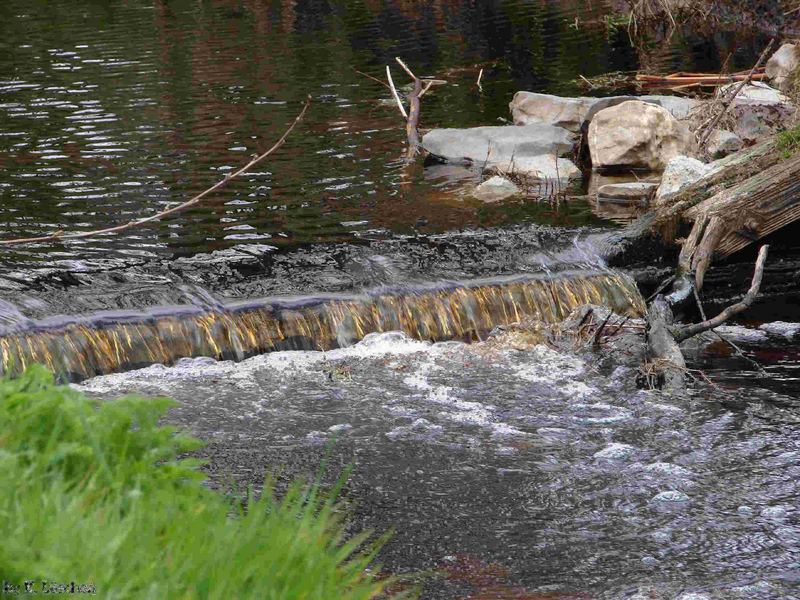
point(687, 331)
point(710, 128)
point(395, 94)
point(60, 235)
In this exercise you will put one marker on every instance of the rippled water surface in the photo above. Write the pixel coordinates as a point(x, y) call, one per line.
point(509, 470)
point(514, 469)
point(112, 111)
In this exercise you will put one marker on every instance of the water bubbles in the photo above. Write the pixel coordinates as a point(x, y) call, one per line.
point(616, 452)
point(670, 497)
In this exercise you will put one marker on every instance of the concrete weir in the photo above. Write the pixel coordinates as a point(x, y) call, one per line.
point(79, 347)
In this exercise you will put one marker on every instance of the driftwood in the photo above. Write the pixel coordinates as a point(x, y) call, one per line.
point(419, 88)
point(61, 235)
point(731, 220)
point(665, 358)
point(658, 229)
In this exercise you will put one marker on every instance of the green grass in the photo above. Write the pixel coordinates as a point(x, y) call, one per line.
point(789, 141)
point(96, 493)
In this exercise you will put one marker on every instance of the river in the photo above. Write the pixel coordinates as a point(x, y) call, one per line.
point(506, 469)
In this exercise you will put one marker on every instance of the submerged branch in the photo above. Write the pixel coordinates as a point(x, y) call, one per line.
point(687, 331)
point(60, 235)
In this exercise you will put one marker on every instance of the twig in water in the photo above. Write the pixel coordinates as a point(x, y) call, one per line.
point(395, 94)
point(687, 331)
point(480, 75)
point(739, 352)
point(60, 235)
point(375, 79)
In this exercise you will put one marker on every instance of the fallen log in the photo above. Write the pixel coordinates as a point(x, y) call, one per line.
point(655, 233)
point(735, 218)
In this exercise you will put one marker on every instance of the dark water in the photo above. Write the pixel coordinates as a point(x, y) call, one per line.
point(515, 471)
point(111, 111)
point(512, 471)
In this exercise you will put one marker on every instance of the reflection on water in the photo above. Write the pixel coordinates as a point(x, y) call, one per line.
point(114, 110)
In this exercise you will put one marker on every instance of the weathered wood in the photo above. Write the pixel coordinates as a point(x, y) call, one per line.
point(663, 352)
point(658, 228)
point(748, 212)
point(687, 331)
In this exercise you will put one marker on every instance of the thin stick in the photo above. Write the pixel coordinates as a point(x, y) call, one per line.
point(738, 89)
point(375, 79)
point(480, 76)
point(395, 94)
point(684, 333)
point(405, 68)
point(60, 235)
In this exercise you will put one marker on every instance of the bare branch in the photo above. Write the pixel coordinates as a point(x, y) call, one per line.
point(739, 88)
point(687, 331)
point(405, 68)
point(375, 79)
point(60, 235)
point(480, 76)
point(395, 94)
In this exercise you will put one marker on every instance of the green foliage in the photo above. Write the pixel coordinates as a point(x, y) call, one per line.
point(95, 492)
point(789, 141)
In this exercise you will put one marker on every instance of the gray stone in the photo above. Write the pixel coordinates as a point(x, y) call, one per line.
point(638, 193)
point(530, 107)
point(573, 113)
point(723, 143)
point(680, 172)
point(756, 92)
point(680, 108)
point(495, 189)
point(636, 134)
point(540, 167)
point(782, 64)
point(615, 452)
point(496, 145)
point(787, 330)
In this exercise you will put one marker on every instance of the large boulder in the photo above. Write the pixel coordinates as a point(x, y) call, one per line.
point(530, 107)
point(680, 172)
point(573, 113)
point(529, 149)
point(782, 65)
point(636, 134)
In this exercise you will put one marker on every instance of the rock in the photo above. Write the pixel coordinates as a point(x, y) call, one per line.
point(638, 193)
point(740, 334)
point(680, 108)
point(759, 111)
point(782, 64)
point(636, 134)
point(723, 143)
point(574, 113)
point(787, 330)
point(756, 92)
point(497, 145)
point(494, 189)
point(530, 107)
point(680, 172)
point(540, 167)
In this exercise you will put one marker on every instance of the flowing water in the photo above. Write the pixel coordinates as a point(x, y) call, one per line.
point(506, 467)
